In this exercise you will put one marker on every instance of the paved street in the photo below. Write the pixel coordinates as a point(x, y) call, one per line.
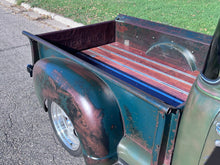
point(26, 136)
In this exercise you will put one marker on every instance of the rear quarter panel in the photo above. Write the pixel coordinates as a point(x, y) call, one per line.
point(145, 118)
point(201, 108)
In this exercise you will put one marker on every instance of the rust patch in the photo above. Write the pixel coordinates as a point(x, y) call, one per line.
point(121, 28)
point(168, 156)
point(87, 120)
point(91, 131)
point(135, 134)
point(96, 135)
point(39, 67)
point(53, 85)
point(48, 93)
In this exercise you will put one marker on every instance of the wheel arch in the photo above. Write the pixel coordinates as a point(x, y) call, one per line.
point(88, 100)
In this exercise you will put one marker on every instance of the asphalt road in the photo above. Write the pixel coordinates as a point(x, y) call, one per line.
point(26, 136)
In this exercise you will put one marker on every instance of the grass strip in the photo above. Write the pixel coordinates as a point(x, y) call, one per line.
point(196, 15)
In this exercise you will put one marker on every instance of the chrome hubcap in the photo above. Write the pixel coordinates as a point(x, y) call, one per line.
point(64, 127)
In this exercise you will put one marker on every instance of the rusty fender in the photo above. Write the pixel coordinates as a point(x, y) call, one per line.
point(87, 100)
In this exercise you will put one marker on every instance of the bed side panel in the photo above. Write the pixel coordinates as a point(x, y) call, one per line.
point(143, 34)
point(84, 37)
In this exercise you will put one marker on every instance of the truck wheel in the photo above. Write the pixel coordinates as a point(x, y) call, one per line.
point(64, 129)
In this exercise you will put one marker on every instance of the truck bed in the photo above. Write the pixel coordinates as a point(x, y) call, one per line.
point(122, 44)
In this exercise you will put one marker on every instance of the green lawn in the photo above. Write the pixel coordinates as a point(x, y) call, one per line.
point(196, 15)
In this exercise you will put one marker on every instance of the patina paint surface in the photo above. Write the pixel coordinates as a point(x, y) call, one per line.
point(211, 139)
point(145, 120)
point(212, 90)
point(171, 130)
point(145, 123)
point(199, 113)
point(88, 101)
point(34, 51)
point(132, 153)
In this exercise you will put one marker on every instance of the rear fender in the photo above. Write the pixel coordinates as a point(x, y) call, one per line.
point(87, 100)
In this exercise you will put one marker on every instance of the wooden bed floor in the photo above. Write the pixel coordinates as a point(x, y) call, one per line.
point(165, 76)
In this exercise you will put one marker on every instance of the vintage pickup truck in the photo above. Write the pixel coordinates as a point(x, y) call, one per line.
point(131, 91)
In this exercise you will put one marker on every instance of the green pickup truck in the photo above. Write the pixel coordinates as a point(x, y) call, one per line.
point(131, 91)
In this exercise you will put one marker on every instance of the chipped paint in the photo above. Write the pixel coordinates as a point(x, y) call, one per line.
point(141, 143)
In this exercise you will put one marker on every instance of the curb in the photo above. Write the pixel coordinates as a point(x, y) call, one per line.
point(58, 18)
